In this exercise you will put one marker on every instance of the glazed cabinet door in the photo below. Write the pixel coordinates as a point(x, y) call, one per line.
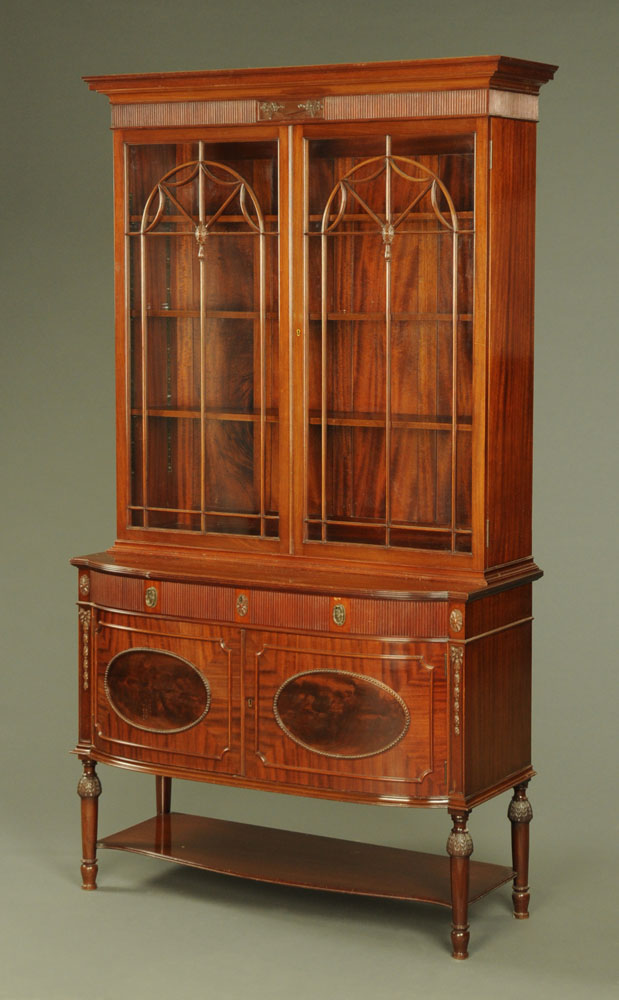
point(166, 693)
point(389, 240)
point(346, 717)
point(201, 233)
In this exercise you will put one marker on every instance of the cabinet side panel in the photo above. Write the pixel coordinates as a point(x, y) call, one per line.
point(497, 707)
point(510, 357)
point(497, 610)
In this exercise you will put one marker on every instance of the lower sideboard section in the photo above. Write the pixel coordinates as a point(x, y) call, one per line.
point(316, 714)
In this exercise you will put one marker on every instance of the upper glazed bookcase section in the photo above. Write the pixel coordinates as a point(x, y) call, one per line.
point(485, 85)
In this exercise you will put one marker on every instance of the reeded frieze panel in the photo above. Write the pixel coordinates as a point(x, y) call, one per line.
point(336, 107)
point(183, 113)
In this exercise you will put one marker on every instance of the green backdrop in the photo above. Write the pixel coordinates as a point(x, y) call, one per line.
point(156, 932)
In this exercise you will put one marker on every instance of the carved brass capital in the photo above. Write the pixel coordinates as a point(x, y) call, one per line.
point(89, 786)
point(460, 844)
point(520, 810)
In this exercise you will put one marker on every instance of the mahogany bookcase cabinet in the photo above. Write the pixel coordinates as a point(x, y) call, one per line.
point(321, 583)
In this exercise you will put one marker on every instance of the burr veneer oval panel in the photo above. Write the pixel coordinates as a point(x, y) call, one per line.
point(340, 714)
point(156, 691)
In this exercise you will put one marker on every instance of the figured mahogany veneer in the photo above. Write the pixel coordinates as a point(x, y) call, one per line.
point(156, 691)
point(321, 581)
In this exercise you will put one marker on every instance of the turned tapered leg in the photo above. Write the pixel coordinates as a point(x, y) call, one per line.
point(89, 790)
point(459, 849)
point(164, 794)
point(164, 799)
point(520, 815)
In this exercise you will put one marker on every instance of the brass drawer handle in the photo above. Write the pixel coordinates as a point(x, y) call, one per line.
point(242, 605)
point(150, 597)
point(339, 614)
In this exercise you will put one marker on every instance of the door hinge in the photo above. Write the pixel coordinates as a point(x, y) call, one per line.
point(445, 772)
point(490, 156)
point(488, 533)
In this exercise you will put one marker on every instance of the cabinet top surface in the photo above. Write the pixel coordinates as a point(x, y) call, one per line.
point(497, 72)
point(295, 574)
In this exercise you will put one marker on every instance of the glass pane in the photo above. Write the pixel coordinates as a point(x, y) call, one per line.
point(203, 305)
point(390, 251)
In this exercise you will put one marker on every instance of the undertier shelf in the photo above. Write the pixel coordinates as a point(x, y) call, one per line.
point(302, 860)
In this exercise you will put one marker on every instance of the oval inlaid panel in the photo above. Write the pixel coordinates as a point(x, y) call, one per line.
point(156, 691)
point(340, 714)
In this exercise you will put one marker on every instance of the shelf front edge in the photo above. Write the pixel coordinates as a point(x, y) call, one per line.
point(302, 860)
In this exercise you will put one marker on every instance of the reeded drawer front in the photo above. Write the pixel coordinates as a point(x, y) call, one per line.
point(346, 715)
point(165, 698)
point(247, 606)
point(199, 601)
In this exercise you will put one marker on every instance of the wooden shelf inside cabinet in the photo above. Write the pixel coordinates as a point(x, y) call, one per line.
point(209, 414)
point(196, 314)
point(321, 580)
point(401, 317)
point(397, 420)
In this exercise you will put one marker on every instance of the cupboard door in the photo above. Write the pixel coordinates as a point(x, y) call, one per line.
point(167, 693)
point(202, 248)
point(348, 716)
point(390, 245)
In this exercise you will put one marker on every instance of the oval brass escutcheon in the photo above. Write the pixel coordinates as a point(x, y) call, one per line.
point(242, 605)
point(339, 614)
point(150, 597)
point(156, 691)
point(340, 714)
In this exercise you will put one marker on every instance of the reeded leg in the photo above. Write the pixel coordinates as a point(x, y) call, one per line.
point(459, 849)
point(520, 815)
point(164, 794)
point(89, 790)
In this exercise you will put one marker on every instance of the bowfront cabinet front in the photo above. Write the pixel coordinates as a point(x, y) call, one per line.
point(321, 578)
point(350, 717)
point(167, 694)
